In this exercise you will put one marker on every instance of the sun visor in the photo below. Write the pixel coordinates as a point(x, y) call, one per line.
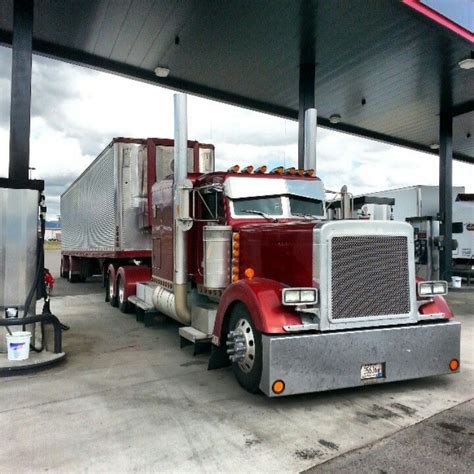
point(240, 187)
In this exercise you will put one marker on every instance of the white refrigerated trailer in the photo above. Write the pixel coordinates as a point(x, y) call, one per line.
point(415, 201)
point(419, 202)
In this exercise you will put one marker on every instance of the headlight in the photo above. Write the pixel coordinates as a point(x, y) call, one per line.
point(432, 288)
point(295, 296)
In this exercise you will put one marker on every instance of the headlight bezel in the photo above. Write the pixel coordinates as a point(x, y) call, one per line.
point(429, 289)
point(299, 296)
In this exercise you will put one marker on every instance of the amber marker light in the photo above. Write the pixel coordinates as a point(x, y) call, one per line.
point(453, 365)
point(300, 172)
point(234, 169)
point(278, 387)
point(247, 170)
point(309, 173)
point(235, 278)
point(236, 246)
point(291, 171)
point(235, 253)
point(261, 170)
point(277, 170)
point(249, 273)
point(236, 236)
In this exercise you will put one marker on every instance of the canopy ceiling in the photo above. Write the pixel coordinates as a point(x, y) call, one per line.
point(382, 66)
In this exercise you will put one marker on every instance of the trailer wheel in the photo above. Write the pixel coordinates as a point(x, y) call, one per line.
point(110, 290)
point(72, 278)
point(246, 343)
point(63, 272)
point(123, 304)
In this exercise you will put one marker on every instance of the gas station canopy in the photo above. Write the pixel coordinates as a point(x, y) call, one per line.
point(383, 69)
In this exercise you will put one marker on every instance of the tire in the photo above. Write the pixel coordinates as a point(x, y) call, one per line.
point(72, 278)
point(110, 290)
point(247, 375)
point(105, 285)
point(123, 304)
point(62, 272)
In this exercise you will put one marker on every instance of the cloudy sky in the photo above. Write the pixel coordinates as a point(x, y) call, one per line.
point(77, 111)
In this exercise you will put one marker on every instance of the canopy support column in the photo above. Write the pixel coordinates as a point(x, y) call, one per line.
point(307, 118)
point(20, 107)
point(446, 193)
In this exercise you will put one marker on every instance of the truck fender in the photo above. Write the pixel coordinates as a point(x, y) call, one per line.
point(262, 297)
point(131, 275)
point(437, 305)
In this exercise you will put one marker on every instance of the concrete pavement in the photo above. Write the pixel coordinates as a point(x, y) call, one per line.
point(129, 399)
point(443, 443)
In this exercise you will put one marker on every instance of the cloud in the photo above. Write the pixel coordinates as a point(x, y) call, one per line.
point(77, 111)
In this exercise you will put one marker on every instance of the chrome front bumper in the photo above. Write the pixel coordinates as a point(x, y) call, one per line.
point(327, 361)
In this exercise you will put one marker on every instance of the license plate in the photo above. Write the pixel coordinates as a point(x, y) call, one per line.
point(372, 371)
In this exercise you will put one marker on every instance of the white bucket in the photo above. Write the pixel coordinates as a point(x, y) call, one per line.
point(456, 282)
point(18, 345)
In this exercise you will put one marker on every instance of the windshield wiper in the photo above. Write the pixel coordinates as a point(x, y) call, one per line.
point(308, 217)
point(260, 213)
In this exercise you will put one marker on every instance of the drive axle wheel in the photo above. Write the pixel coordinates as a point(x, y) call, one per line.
point(123, 304)
point(110, 290)
point(245, 349)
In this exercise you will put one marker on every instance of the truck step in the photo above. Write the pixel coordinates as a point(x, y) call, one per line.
point(194, 335)
point(140, 303)
point(189, 335)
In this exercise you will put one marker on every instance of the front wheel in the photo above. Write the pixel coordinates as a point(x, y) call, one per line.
point(245, 344)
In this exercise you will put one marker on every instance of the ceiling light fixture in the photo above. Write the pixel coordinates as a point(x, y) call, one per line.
point(162, 71)
point(467, 63)
point(335, 118)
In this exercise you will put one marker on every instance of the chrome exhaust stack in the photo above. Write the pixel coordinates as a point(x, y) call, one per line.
point(307, 118)
point(182, 223)
point(310, 128)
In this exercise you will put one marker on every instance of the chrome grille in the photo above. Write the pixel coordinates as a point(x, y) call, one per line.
point(369, 276)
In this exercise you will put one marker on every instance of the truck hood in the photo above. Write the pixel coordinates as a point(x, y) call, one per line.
point(282, 251)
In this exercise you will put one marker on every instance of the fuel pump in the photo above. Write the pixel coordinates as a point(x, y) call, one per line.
point(427, 246)
point(22, 219)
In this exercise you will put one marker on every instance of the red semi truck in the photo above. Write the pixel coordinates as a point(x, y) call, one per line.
point(246, 260)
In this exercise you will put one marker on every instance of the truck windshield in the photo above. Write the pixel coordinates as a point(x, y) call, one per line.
point(269, 205)
point(305, 206)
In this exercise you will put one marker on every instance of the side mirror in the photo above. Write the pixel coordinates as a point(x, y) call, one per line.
point(183, 193)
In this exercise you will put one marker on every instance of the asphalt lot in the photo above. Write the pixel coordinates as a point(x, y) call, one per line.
point(129, 399)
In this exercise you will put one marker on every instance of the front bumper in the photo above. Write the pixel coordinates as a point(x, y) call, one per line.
point(327, 361)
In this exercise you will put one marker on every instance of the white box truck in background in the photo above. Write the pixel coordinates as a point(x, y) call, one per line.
point(415, 201)
point(420, 206)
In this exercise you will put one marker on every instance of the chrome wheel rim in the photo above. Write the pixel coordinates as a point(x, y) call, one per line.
point(111, 289)
point(120, 290)
point(244, 345)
